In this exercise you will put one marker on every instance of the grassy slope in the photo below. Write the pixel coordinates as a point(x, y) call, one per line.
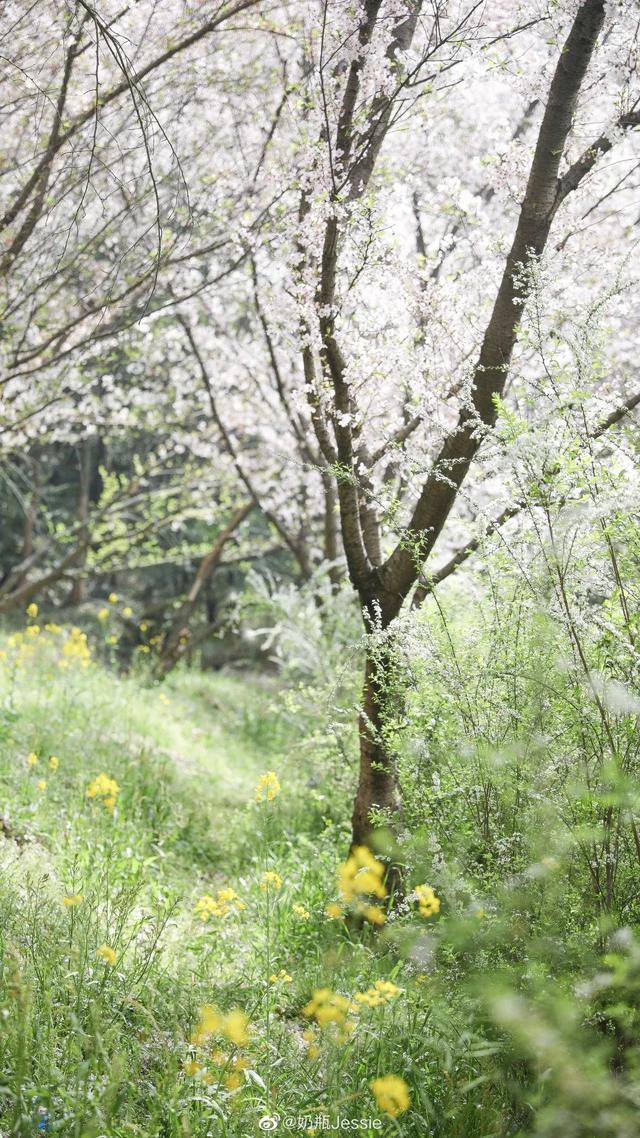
point(106, 1049)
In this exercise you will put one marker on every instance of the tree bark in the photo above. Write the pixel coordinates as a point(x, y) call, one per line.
point(383, 588)
point(177, 638)
point(378, 784)
point(79, 586)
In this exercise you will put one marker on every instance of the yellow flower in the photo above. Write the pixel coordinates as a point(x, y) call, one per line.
point(381, 993)
point(301, 912)
point(32, 610)
point(233, 1080)
point(113, 639)
point(54, 762)
point(428, 903)
point(281, 977)
point(235, 1027)
point(106, 789)
point(208, 1024)
point(144, 627)
point(42, 784)
point(127, 612)
point(268, 787)
point(374, 914)
point(107, 953)
point(32, 759)
point(192, 1068)
point(33, 630)
point(103, 614)
point(75, 649)
point(327, 1007)
point(361, 875)
point(391, 1094)
point(333, 910)
point(53, 629)
point(113, 598)
point(270, 879)
point(227, 901)
point(72, 900)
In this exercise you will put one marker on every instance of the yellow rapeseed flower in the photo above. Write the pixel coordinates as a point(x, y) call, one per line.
point(113, 598)
point(428, 903)
point(32, 759)
point(107, 953)
point(103, 614)
point(301, 912)
point(105, 789)
point(72, 900)
point(54, 762)
point(33, 630)
point(127, 612)
point(382, 992)
point(333, 910)
point(267, 787)
point(326, 1006)
point(226, 901)
point(391, 1094)
point(271, 879)
point(32, 610)
point(235, 1026)
point(281, 977)
point(362, 874)
point(41, 784)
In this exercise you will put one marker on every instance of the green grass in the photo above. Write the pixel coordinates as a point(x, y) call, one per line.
point(102, 1002)
point(106, 1048)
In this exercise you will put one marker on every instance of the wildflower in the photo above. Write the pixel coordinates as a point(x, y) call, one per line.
point(327, 1007)
point(333, 911)
point(208, 1024)
point(32, 610)
point(32, 759)
point(233, 1025)
point(75, 649)
point(301, 912)
point(281, 977)
point(103, 614)
point(42, 784)
point(374, 914)
point(106, 789)
point(391, 1094)
point(72, 900)
point(54, 762)
point(113, 639)
point(313, 1050)
point(113, 598)
point(382, 992)
point(268, 787)
point(144, 627)
point(271, 879)
point(227, 901)
point(233, 1080)
point(192, 1068)
point(53, 629)
point(107, 953)
point(127, 612)
point(33, 630)
point(428, 903)
point(361, 875)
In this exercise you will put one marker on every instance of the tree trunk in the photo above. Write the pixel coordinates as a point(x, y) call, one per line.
point(177, 638)
point(377, 788)
point(79, 586)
